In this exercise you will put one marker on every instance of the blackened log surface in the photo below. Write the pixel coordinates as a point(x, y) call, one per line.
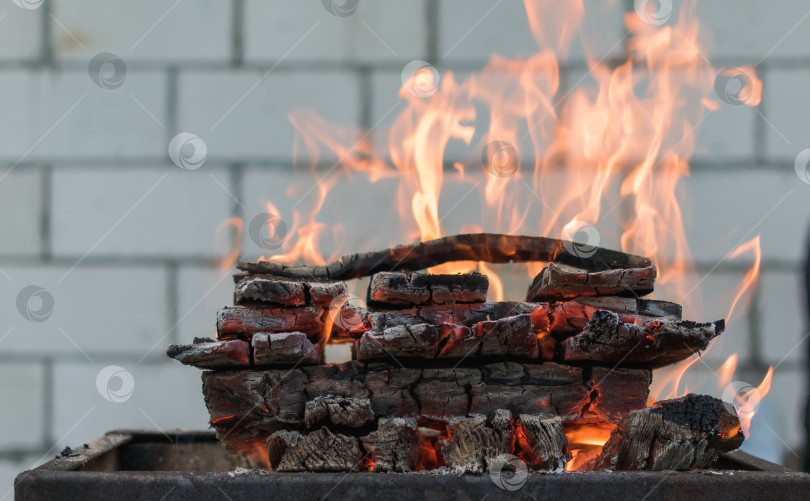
point(508, 336)
point(678, 434)
point(338, 411)
point(287, 348)
point(607, 339)
point(396, 445)
point(425, 288)
point(212, 354)
point(247, 404)
point(487, 247)
point(240, 321)
point(542, 442)
point(281, 291)
point(405, 341)
point(475, 442)
point(319, 451)
point(617, 391)
point(554, 283)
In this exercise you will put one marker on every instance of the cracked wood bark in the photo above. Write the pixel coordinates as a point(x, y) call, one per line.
point(475, 442)
point(338, 411)
point(249, 404)
point(319, 451)
point(657, 344)
point(240, 321)
point(285, 348)
point(510, 336)
point(541, 441)
point(399, 341)
point(617, 391)
point(212, 354)
point(389, 288)
point(554, 282)
point(492, 248)
point(679, 434)
point(396, 445)
point(281, 291)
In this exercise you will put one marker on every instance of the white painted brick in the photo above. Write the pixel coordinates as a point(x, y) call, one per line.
point(783, 317)
point(20, 211)
point(752, 30)
point(305, 31)
point(106, 123)
point(22, 387)
point(473, 30)
point(164, 397)
point(787, 131)
point(66, 114)
point(245, 114)
point(721, 209)
point(201, 292)
point(20, 36)
point(150, 30)
point(726, 134)
point(150, 211)
point(95, 310)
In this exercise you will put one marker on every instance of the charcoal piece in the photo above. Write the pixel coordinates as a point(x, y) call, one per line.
point(319, 451)
point(243, 322)
point(541, 441)
point(212, 354)
point(474, 443)
point(286, 348)
point(338, 411)
point(396, 445)
point(425, 288)
point(281, 291)
point(555, 283)
point(418, 341)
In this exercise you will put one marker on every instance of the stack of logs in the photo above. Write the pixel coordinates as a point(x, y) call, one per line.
point(442, 378)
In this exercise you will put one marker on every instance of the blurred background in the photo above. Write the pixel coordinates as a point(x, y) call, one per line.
point(111, 252)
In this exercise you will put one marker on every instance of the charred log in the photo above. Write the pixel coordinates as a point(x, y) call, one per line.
point(420, 341)
point(607, 339)
point(396, 445)
point(487, 247)
point(286, 348)
point(319, 451)
point(212, 354)
point(240, 321)
point(541, 441)
point(338, 411)
point(554, 283)
point(281, 291)
point(679, 434)
point(476, 442)
point(426, 288)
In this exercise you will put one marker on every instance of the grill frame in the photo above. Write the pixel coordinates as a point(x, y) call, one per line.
point(147, 465)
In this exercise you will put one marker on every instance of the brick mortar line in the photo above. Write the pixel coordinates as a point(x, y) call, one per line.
point(45, 219)
point(49, 417)
point(172, 300)
point(238, 33)
point(46, 49)
point(172, 103)
point(432, 22)
point(760, 132)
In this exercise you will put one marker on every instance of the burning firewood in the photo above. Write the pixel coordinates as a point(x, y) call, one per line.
point(420, 340)
point(247, 404)
point(426, 288)
point(338, 411)
point(286, 348)
point(541, 441)
point(608, 339)
point(239, 320)
point(320, 451)
point(396, 445)
point(492, 248)
point(679, 434)
point(554, 282)
point(616, 391)
point(211, 354)
point(280, 291)
point(475, 442)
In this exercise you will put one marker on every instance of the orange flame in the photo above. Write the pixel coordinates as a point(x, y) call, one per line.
point(753, 273)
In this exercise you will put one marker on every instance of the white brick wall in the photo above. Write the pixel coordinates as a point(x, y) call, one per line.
point(128, 279)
